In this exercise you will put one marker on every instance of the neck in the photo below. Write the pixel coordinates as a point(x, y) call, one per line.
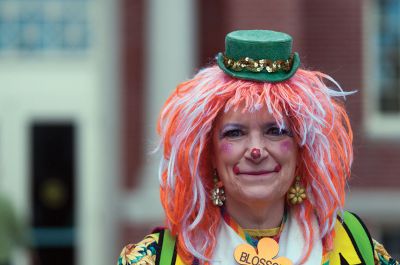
point(256, 215)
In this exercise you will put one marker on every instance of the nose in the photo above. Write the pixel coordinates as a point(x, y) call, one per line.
point(256, 150)
point(256, 154)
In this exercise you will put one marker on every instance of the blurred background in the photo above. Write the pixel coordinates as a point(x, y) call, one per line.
point(82, 83)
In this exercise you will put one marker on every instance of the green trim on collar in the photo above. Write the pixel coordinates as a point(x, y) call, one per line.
point(168, 253)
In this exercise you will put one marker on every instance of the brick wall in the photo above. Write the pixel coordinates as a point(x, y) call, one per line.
point(328, 37)
point(132, 76)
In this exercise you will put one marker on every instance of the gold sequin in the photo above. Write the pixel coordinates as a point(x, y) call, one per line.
point(259, 65)
point(380, 249)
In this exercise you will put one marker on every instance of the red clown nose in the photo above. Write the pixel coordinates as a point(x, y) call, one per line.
point(255, 153)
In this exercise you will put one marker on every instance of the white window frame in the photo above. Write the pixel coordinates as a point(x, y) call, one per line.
point(376, 123)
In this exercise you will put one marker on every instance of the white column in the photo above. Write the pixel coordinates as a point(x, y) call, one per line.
point(171, 53)
point(99, 140)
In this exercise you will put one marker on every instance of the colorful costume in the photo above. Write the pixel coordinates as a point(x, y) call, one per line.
point(352, 245)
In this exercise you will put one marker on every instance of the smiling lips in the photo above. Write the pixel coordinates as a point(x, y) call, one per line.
point(237, 171)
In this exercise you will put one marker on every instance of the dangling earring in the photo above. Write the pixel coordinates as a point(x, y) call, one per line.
point(297, 193)
point(217, 193)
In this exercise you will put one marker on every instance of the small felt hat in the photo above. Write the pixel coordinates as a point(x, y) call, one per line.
point(259, 55)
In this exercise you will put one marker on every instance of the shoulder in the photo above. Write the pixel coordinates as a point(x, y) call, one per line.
point(141, 253)
point(365, 246)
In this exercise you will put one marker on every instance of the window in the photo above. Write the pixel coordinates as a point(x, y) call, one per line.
point(389, 55)
point(381, 46)
point(38, 26)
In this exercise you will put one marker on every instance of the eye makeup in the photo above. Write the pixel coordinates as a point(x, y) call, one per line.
point(270, 128)
point(229, 128)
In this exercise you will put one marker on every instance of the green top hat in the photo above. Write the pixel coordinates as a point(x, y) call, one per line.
point(259, 55)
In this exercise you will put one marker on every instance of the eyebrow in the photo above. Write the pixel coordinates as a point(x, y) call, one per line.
point(271, 123)
point(228, 126)
point(234, 125)
point(240, 125)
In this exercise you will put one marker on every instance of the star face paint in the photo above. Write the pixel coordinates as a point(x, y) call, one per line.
point(266, 176)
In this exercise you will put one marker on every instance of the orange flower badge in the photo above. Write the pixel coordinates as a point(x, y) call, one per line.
point(265, 254)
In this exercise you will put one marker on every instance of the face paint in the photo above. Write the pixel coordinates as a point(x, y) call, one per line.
point(226, 148)
point(236, 169)
point(286, 146)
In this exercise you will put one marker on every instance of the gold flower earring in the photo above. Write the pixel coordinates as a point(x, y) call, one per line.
point(217, 193)
point(297, 193)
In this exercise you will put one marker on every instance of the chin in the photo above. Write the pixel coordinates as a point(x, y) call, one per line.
point(259, 194)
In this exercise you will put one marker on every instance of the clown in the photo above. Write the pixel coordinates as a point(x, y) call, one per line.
point(256, 147)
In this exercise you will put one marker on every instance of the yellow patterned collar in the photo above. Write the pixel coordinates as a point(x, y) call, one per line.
point(257, 233)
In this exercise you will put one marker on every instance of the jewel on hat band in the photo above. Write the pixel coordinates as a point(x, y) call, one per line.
point(258, 65)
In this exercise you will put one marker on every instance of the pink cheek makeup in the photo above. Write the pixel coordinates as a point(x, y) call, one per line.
point(286, 146)
point(226, 148)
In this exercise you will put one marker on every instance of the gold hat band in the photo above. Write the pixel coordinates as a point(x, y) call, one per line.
point(258, 65)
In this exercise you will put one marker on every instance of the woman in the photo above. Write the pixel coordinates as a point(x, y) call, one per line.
point(256, 147)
